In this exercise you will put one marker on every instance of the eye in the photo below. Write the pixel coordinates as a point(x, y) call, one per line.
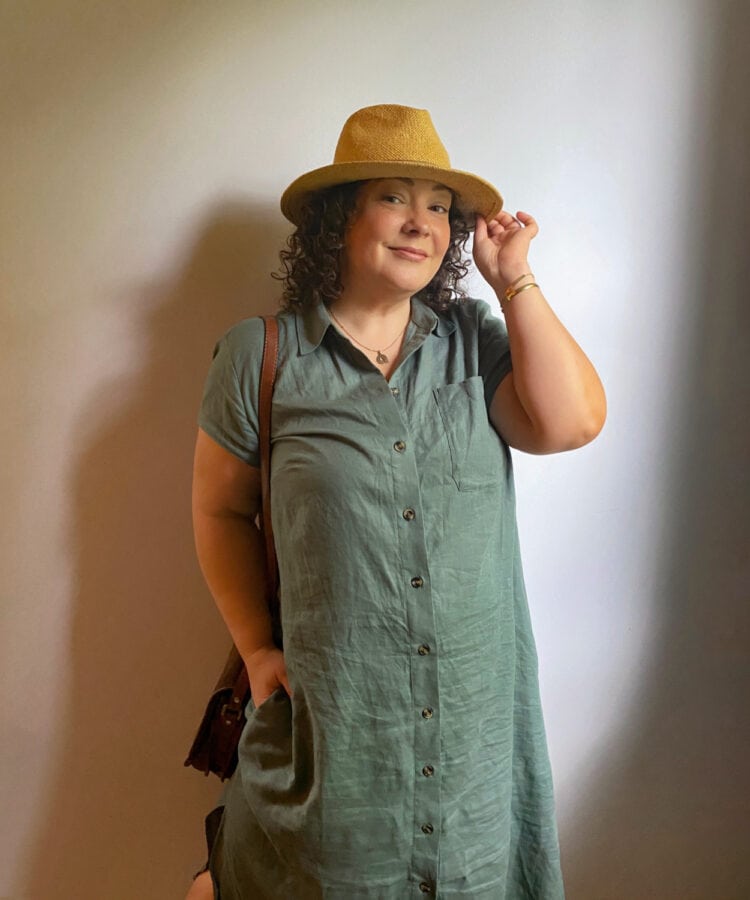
point(439, 207)
point(392, 198)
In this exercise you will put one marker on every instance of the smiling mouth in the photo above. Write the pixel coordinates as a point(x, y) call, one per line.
point(409, 253)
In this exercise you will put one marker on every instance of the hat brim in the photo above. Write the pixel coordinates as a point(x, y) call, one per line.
point(474, 194)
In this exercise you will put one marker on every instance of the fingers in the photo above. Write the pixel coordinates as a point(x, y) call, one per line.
point(504, 231)
point(504, 225)
point(529, 222)
point(508, 222)
point(502, 222)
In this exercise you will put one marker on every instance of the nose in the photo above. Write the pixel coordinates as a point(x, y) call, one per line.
point(416, 222)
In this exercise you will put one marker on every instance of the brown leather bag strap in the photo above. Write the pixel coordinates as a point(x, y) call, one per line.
point(267, 379)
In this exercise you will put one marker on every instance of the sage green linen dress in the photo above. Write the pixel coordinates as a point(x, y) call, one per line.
point(412, 760)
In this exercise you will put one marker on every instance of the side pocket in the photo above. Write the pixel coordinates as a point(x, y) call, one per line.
point(477, 456)
point(266, 723)
point(251, 709)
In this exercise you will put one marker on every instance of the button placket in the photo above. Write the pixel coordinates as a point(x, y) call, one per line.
point(427, 741)
point(422, 637)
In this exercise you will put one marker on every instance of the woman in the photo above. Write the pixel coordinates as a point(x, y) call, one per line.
point(396, 747)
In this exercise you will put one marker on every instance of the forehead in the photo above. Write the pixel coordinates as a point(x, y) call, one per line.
point(424, 183)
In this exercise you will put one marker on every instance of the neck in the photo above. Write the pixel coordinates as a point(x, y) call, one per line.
point(372, 310)
point(377, 327)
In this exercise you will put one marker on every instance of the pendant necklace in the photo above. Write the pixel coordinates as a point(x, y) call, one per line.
point(381, 357)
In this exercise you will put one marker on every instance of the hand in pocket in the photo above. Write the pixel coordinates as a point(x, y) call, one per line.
point(266, 670)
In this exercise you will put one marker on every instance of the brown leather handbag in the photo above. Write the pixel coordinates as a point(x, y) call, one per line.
point(215, 746)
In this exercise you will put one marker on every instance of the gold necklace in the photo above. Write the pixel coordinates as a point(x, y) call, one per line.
point(381, 357)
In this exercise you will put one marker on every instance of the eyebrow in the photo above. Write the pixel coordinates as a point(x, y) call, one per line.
point(435, 187)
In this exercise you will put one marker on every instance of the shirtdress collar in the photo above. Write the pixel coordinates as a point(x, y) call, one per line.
point(312, 323)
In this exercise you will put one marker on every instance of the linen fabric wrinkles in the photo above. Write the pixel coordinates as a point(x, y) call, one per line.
point(412, 759)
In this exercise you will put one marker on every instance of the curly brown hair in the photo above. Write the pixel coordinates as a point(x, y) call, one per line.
point(311, 261)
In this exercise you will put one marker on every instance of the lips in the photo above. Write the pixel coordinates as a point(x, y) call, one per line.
point(412, 253)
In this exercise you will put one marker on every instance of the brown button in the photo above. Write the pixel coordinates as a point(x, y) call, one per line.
point(399, 446)
point(427, 828)
point(423, 649)
point(427, 771)
point(424, 887)
point(408, 514)
point(427, 713)
point(417, 582)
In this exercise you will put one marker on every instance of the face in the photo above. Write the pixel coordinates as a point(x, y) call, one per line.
point(397, 238)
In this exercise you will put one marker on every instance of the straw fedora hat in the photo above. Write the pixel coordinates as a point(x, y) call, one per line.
point(390, 141)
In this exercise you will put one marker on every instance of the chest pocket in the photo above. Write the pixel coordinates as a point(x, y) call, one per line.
point(475, 449)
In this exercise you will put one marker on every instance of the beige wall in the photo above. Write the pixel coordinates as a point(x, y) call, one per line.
point(144, 147)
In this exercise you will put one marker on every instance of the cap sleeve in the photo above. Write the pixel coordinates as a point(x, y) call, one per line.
point(229, 409)
point(494, 349)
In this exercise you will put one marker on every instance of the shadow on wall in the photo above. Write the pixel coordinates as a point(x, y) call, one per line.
point(146, 641)
point(666, 815)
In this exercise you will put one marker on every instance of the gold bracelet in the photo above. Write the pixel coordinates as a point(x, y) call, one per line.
point(523, 288)
point(508, 292)
point(527, 275)
point(520, 290)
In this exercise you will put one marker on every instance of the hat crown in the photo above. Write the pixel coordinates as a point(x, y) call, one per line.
point(391, 133)
point(391, 141)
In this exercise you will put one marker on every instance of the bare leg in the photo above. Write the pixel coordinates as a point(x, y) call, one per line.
point(202, 888)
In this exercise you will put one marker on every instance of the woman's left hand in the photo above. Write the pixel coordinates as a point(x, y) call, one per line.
point(501, 247)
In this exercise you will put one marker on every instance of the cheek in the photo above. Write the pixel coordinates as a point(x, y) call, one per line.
point(356, 244)
point(365, 234)
point(444, 238)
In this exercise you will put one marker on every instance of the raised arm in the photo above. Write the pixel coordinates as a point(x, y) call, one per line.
point(553, 399)
point(226, 500)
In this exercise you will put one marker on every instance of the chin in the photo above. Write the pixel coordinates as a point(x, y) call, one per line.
point(410, 289)
point(411, 285)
